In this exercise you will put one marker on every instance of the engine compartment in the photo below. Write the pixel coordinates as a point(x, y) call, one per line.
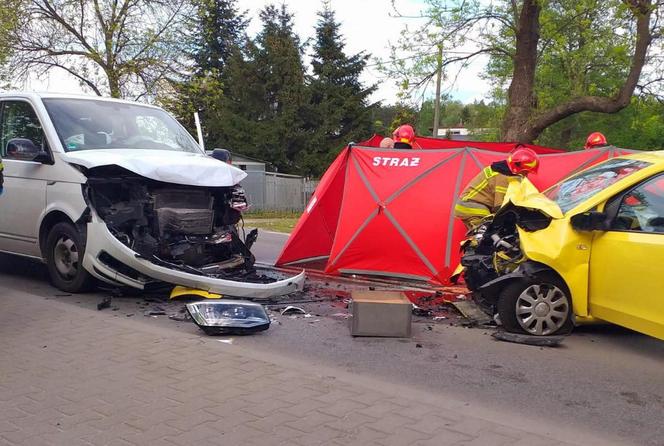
point(493, 249)
point(189, 228)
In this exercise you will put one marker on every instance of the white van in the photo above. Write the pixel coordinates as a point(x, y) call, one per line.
point(120, 192)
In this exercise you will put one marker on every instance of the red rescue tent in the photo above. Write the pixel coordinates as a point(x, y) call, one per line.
point(390, 213)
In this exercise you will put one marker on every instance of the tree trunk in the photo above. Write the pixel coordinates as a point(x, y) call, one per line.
point(521, 100)
point(113, 83)
point(523, 122)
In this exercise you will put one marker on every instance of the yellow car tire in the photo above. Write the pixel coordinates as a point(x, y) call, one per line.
point(540, 306)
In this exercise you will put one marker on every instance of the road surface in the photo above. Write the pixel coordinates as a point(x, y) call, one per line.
point(603, 383)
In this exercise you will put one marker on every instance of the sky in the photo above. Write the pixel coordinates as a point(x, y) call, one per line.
point(367, 25)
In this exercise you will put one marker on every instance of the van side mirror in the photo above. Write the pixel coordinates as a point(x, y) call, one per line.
point(24, 149)
point(222, 155)
point(590, 221)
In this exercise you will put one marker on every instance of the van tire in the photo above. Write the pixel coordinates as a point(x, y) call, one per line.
point(65, 248)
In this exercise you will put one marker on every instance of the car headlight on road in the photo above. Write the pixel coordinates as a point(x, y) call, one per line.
point(229, 316)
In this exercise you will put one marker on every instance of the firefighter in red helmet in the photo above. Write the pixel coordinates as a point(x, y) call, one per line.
point(485, 193)
point(595, 139)
point(403, 137)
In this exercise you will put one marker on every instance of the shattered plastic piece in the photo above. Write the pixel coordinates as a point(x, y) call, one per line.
point(293, 310)
point(341, 315)
point(472, 312)
point(308, 315)
point(105, 303)
point(417, 311)
point(540, 341)
point(439, 318)
point(226, 341)
point(155, 312)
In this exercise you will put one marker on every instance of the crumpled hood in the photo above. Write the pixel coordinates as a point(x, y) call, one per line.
point(524, 194)
point(184, 168)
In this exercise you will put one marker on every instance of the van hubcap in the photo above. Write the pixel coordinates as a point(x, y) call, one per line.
point(65, 256)
point(542, 309)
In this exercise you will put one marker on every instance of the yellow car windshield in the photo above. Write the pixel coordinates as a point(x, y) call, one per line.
point(578, 188)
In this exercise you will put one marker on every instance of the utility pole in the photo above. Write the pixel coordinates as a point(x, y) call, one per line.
point(436, 103)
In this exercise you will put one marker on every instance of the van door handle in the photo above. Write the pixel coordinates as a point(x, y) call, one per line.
point(50, 183)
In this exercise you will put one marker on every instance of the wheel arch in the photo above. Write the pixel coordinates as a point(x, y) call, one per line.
point(51, 219)
point(491, 290)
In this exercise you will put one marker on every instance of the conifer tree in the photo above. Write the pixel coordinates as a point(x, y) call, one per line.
point(340, 109)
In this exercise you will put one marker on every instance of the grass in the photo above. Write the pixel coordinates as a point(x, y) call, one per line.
point(278, 221)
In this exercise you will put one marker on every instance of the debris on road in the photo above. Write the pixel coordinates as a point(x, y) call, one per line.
point(156, 311)
point(472, 312)
point(104, 303)
point(291, 310)
point(540, 341)
point(229, 316)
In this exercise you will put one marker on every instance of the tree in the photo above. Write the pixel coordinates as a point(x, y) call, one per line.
point(222, 28)
point(264, 107)
point(340, 111)
point(8, 20)
point(117, 47)
point(220, 32)
point(556, 56)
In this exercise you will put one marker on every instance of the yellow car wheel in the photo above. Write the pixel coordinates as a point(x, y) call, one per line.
point(538, 307)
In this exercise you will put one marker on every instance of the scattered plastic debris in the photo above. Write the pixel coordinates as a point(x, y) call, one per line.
point(105, 303)
point(226, 341)
point(472, 312)
point(290, 310)
point(156, 311)
point(540, 341)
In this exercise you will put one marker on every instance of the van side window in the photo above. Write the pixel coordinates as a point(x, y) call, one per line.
point(19, 121)
point(642, 209)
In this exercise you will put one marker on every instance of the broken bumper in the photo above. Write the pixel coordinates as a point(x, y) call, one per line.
point(101, 246)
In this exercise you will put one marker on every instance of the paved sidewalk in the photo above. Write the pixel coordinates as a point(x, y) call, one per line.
point(71, 376)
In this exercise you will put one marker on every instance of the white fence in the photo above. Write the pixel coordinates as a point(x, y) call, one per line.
point(269, 191)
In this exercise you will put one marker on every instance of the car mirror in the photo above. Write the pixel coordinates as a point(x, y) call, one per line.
point(26, 150)
point(589, 221)
point(222, 155)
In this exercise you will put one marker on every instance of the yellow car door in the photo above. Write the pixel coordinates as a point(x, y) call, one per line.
point(627, 262)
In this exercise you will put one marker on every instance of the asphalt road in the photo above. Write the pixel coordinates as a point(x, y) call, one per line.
point(603, 384)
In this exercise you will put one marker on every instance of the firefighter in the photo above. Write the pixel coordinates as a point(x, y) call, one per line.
point(594, 140)
point(387, 143)
point(403, 137)
point(485, 193)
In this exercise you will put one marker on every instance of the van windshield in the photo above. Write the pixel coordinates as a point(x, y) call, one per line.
point(582, 186)
point(84, 124)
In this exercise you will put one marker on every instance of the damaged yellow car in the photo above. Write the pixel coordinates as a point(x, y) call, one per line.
point(589, 248)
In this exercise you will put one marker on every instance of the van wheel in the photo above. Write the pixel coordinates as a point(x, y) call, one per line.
point(65, 247)
point(539, 307)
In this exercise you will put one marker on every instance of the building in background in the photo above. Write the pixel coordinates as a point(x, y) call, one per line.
point(272, 191)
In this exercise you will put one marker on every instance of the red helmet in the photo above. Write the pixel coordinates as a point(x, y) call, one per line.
point(523, 161)
point(404, 133)
point(595, 139)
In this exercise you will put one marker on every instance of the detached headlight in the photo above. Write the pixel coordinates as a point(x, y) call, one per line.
point(229, 316)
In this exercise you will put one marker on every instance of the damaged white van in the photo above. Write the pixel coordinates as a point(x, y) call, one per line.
point(120, 192)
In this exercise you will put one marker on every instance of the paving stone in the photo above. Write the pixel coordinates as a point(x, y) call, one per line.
point(114, 381)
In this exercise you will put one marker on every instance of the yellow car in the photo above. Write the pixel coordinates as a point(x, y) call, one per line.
point(591, 247)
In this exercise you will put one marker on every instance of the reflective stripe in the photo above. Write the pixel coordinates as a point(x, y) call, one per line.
point(501, 189)
point(460, 210)
point(488, 172)
point(475, 190)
